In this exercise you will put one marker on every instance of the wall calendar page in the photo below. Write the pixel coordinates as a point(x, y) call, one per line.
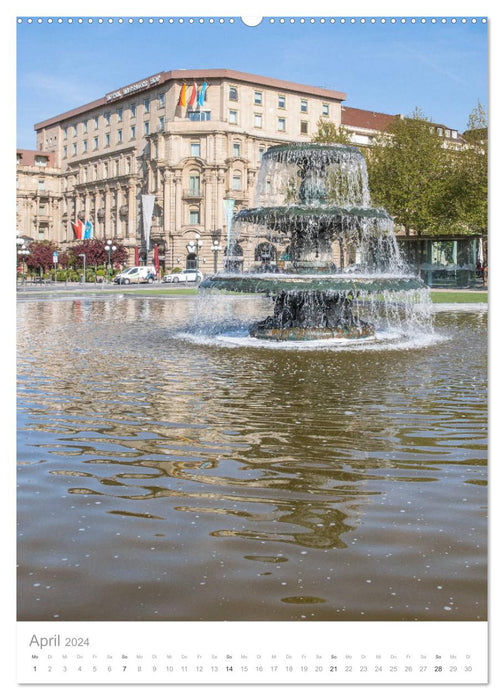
point(251, 307)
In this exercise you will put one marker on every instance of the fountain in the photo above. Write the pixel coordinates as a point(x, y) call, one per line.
point(339, 255)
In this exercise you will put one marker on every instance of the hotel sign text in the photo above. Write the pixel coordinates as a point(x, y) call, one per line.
point(136, 87)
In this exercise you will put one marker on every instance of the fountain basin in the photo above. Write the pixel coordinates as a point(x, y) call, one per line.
point(253, 283)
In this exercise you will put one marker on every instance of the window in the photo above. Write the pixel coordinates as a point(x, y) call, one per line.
point(161, 124)
point(304, 127)
point(199, 116)
point(195, 150)
point(84, 146)
point(107, 139)
point(74, 149)
point(132, 132)
point(261, 152)
point(454, 134)
point(41, 160)
point(41, 184)
point(146, 104)
point(107, 118)
point(233, 93)
point(65, 132)
point(119, 114)
point(146, 128)
point(237, 181)
point(258, 121)
point(236, 150)
point(194, 216)
point(233, 116)
point(133, 110)
point(119, 136)
point(281, 101)
point(65, 151)
point(161, 99)
point(194, 184)
point(281, 123)
point(75, 129)
point(258, 98)
point(95, 143)
point(84, 126)
point(96, 122)
point(325, 110)
point(304, 105)
point(440, 131)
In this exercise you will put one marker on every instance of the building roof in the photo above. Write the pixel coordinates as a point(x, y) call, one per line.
point(363, 119)
point(188, 76)
point(27, 157)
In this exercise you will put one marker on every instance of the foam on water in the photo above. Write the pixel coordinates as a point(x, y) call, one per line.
point(383, 340)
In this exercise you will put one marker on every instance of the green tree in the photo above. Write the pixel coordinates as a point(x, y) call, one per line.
point(328, 133)
point(407, 170)
point(473, 192)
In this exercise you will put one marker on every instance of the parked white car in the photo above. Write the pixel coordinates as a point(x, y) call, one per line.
point(141, 274)
point(184, 276)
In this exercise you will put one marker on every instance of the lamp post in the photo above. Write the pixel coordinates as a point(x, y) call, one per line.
point(109, 248)
point(83, 255)
point(215, 248)
point(193, 248)
point(23, 252)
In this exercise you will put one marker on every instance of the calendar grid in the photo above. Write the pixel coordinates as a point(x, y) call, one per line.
point(207, 653)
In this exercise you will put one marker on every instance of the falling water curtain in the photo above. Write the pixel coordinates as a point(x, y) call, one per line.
point(228, 211)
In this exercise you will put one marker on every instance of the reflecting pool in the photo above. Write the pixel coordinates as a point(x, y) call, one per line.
point(168, 473)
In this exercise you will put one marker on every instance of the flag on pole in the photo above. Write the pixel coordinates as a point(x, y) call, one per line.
point(137, 256)
point(78, 229)
point(202, 94)
point(182, 98)
point(88, 230)
point(156, 258)
point(194, 95)
point(147, 209)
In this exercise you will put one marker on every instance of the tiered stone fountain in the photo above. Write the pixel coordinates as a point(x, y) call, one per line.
point(313, 203)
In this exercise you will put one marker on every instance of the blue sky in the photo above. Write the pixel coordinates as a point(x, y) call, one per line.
point(440, 68)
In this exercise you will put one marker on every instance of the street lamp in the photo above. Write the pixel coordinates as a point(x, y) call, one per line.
point(23, 252)
point(83, 255)
point(215, 247)
point(193, 248)
point(109, 248)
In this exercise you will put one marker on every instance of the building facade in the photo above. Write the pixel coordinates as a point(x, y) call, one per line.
point(193, 139)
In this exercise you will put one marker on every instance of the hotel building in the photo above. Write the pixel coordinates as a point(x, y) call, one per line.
point(191, 138)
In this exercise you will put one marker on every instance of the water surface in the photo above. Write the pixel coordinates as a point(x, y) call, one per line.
point(161, 478)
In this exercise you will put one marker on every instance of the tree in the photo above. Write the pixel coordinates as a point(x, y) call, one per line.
point(328, 133)
point(96, 255)
point(407, 170)
point(473, 202)
point(427, 187)
point(41, 255)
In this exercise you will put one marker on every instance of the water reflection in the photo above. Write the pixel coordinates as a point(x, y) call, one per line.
point(156, 466)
